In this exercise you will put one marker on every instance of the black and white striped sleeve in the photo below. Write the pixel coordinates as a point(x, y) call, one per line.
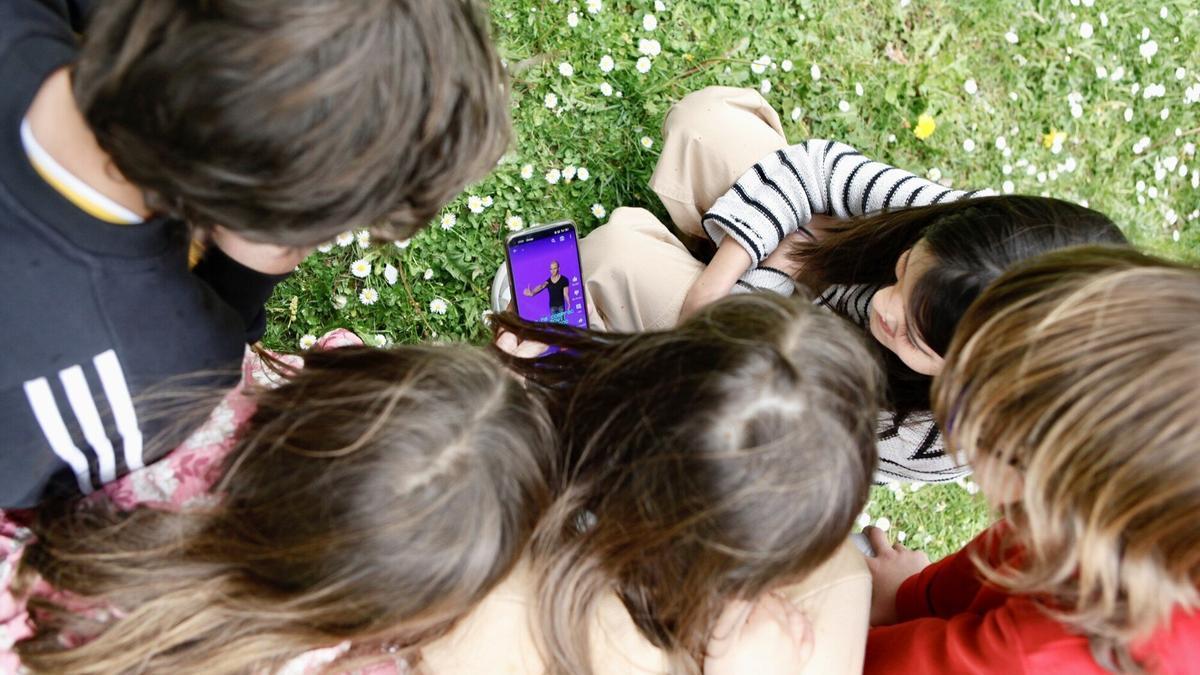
point(780, 194)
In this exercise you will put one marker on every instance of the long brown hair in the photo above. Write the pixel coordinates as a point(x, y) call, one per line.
point(293, 120)
point(1079, 369)
point(972, 241)
point(375, 497)
point(704, 463)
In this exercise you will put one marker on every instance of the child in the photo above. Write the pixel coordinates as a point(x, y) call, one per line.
point(1071, 386)
point(774, 226)
point(718, 462)
point(344, 520)
point(267, 126)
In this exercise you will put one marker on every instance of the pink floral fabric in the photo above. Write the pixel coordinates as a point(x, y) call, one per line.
point(181, 479)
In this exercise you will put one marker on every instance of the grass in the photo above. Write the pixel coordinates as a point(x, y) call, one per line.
point(1039, 76)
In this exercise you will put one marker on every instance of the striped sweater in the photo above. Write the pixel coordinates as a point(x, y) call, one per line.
point(779, 196)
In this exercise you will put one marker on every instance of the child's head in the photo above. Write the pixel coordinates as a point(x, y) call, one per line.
point(706, 463)
point(376, 497)
point(1072, 388)
point(933, 261)
point(292, 120)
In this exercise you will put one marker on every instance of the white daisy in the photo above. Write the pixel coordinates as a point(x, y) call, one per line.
point(858, 89)
point(883, 523)
point(765, 86)
point(594, 6)
point(380, 341)
point(1101, 73)
point(969, 145)
point(566, 69)
point(1148, 49)
point(488, 201)
point(475, 204)
point(438, 306)
point(646, 142)
point(649, 47)
point(598, 210)
point(326, 247)
point(363, 238)
point(307, 341)
point(660, 6)
point(815, 71)
point(863, 520)
point(391, 274)
point(1001, 143)
point(572, 19)
point(649, 22)
point(368, 296)
point(759, 66)
point(583, 174)
point(428, 273)
point(360, 268)
point(787, 65)
point(607, 64)
point(1085, 30)
point(448, 221)
point(971, 87)
point(403, 244)
point(844, 106)
point(796, 113)
point(551, 100)
point(339, 301)
point(527, 171)
point(1012, 37)
point(606, 89)
point(643, 65)
point(345, 239)
point(514, 223)
point(553, 176)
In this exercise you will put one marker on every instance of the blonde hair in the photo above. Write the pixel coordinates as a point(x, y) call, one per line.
point(1080, 370)
point(375, 497)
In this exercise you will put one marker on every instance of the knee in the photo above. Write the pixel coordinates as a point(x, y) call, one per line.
point(702, 113)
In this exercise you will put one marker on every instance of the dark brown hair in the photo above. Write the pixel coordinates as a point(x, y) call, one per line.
point(1079, 369)
point(713, 461)
point(375, 497)
point(292, 120)
point(972, 242)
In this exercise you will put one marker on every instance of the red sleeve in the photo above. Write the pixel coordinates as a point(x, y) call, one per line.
point(948, 586)
point(968, 643)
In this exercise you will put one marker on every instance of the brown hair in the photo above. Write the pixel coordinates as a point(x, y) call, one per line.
point(375, 497)
point(706, 463)
point(973, 241)
point(293, 120)
point(1080, 369)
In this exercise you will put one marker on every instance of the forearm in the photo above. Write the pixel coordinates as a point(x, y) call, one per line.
point(727, 266)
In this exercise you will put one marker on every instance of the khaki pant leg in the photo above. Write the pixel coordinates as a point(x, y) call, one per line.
point(636, 273)
point(710, 138)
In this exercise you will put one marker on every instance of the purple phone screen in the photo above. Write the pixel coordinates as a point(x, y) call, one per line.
point(547, 284)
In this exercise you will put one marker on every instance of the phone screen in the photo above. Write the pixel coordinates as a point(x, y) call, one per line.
point(546, 276)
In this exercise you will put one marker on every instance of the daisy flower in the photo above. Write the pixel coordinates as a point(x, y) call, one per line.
point(403, 244)
point(643, 65)
point(572, 19)
point(339, 301)
point(566, 69)
point(607, 64)
point(646, 142)
point(786, 66)
point(883, 523)
point(815, 71)
point(844, 106)
point(428, 273)
point(363, 238)
point(475, 204)
point(594, 6)
point(649, 47)
point(971, 87)
point(527, 171)
point(438, 306)
point(598, 210)
point(488, 201)
point(307, 341)
point(606, 89)
point(765, 87)
point(360, 268)
point(551, 100)
point(759, 66)
point(514, 223)
point(583, 174)
point(368, 296)
point(649, 22)
point(380, 341)
point(1085, 30)
point(391, 274)
point(345, 239)
point(553, 176)
point(326, 247)
point(1148, 49)
point(448, 221)
point(969, 145)
point(1012, 37)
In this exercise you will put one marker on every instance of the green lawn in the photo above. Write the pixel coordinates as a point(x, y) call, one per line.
point(1092, 101)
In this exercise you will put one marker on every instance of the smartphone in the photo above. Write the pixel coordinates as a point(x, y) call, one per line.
point(545, 274)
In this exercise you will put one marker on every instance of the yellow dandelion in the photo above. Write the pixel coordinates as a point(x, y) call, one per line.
point(1052, 138)
point(925, 127)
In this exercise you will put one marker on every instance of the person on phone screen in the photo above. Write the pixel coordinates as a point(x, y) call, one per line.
point(557, 285)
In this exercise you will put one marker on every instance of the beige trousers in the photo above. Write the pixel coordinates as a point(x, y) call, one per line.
point(637, 272)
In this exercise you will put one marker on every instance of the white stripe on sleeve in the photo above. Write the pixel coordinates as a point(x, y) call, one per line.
point(108, 367)
point(80, 397)
point(45, 410)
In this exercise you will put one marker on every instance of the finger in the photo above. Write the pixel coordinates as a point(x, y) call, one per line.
point(878, 538)
point(530, 349)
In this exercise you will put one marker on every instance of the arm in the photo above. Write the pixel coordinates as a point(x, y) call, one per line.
point(986, 642)
point(536, 289)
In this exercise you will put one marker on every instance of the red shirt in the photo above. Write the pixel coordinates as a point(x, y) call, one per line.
point(950, 621)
